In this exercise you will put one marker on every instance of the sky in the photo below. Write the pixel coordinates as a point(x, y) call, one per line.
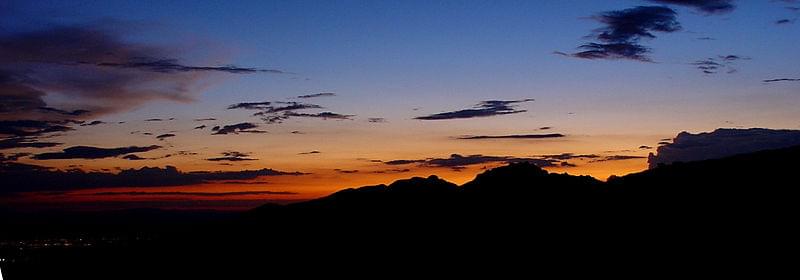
point(326, 95)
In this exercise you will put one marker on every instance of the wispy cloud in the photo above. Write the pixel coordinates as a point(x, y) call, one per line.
point(87, 152)
point(713, 65)
point(321, 94)
point(708, 7)
point(232, 156)
point(516, 136)
point(202, 194)
point(623, 31)
point(484, 109)
point(245, 127)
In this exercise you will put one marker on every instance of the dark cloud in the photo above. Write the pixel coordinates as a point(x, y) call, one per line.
point(297, 132)
point(392, 171)
point(232, 156)
point(200, 127)
point(709, 7)
point(267, 107)
point(568, 156)
point(86, 152)
point(781, 80)
point(202, 194)
point(74, 113)
point(154, 120)
point(310, 153)
point(484, 109)
point(344, 171)
point(245, 127)
point(95, 66)
point(721, 143)
point(459, 162)
point(205, 119)
point(713, 65)
point(172, 66)
point(617, 157)
point(279, 111)
point(321, 94)
point(546, 128)
point(133, 157)
point(24, 142)
point(12, 157)
point(165, 136)
point(621, 36)
point(93, 123)
point(17, 177)
point(28, 128)
point(403, 161)
point(322, 115)
point(517, 136)
point(784, 21)
point(376, 120)
point(251, 106)
point(645, 147)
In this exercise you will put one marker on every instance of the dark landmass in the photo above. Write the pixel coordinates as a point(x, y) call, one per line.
point(717, 216)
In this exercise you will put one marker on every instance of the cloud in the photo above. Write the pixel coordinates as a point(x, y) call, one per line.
point(392, 171)
point(95, 70)
point(154, 120)
point(708, 7)
point(546, 128)
point(18, 177)
point(171, 66)
point(86, 152)
point(517, 136)
point(780, 80)
point(310, 153)
point(24, 142)
point(12, 157)
point(721, 143)
point(459, 162)
point(344, 171)
point(322, 115)
point(232, 156)
point(617, 157)
point(73, 113)
point(623, 31)
point(245, 127)
point(165, 136)
point(279, 111)
point(568, 156)
point(645, 147)
point(267, 107)
point(28, 128)
point(713, 65)
point(484, 109)
point(251, 105)
point(93, 123)
point(200, 127)
point(201, 194)
point(133, 157)
point(403, 161)
point(321, 94)
point(205, 119)
point(784, 21)
point(376, 120)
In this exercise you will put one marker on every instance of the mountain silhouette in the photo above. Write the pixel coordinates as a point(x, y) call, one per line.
point(728, 210)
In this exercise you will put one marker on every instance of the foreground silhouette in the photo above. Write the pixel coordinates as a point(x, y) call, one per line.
point(737, 211)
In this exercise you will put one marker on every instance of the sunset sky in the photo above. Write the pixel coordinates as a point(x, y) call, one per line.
point(341, 94)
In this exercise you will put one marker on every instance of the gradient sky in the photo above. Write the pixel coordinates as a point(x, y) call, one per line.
point(398, 60)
